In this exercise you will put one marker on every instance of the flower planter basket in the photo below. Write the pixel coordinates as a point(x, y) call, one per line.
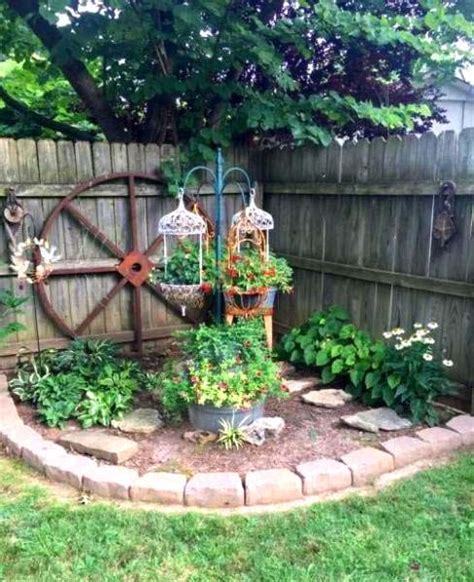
point(189, 296)
point(210, 418)
point(245, 302)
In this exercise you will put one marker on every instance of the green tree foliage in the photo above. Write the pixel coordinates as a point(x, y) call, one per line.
point(211, 71)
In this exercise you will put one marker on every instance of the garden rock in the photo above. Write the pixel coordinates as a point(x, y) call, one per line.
point(101, 445)
point(286, 369)
point(327, 398)
point(200, 437)
point(299, 384)
point(140, 421)
point(377, 419)
point(255, 433)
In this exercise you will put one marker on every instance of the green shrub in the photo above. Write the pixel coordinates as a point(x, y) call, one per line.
point(404, 374)
point(220, 365)
point(87, 382)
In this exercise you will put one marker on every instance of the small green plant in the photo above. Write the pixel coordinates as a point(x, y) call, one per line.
point(411, 375)
point(246, 272)
point(86, 382)
point(183, 266)
point(220, 366)
point(10, 306)
point(230, 436)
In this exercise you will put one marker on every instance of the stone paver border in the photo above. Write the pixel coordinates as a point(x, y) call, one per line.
point(223, 490)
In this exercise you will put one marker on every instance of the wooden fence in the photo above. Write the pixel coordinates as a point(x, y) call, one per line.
point(356, 223)
point(42, 173)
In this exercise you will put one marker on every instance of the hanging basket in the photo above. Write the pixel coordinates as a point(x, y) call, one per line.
point(245, 302)
point(195, 297)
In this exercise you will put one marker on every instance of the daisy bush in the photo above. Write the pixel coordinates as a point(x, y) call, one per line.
point(412, 374)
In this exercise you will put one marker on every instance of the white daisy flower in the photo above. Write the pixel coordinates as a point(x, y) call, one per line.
point(398, 331)
point(429, 340)
point(428, 357)
point(399, 347)
point(387, 334)
point(433, 325)
point(417, 325)
point(448, 363)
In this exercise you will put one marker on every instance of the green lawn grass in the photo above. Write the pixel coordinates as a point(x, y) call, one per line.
point(418, 529)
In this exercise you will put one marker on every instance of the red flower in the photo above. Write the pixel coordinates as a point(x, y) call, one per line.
point(235, 258)
point(206, 287)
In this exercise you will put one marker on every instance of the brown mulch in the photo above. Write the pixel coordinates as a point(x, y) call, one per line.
point(310, 433)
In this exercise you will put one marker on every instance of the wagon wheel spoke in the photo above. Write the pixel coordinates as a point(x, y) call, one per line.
point(70, 271)
point(154, 245)
point(133, 212)
point(173, 307)
point(100, 306)
point(95, 232)
point(137, 318)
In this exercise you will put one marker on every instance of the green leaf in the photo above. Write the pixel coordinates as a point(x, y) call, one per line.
point(337, 366)
point(327, 375)
point(393, 380)
point(322, 358)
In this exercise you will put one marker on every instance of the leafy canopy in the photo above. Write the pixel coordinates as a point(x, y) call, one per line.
point(211, 71)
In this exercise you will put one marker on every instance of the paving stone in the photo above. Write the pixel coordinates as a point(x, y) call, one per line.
point(36, 453)
point(463, 425)
point(108, 481)
point(69, 469)
point(214, 490)
point(272, 486)
point(367, 464)
point(17, 437)
point(324, 475)
point(406, 450)
point(140, 421)
point(165, 488)
point(299, 384)
point(377, 419)
point(327, 398)
point(101, 445)
point(441, 440)
point(8, 412)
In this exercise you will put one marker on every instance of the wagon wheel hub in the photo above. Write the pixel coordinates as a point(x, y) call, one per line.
point(135, 267)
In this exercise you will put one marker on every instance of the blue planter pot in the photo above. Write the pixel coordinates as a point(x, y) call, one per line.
point(270, 298)
point(209, 418)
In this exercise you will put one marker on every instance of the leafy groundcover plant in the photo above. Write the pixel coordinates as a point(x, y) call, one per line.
point(220, 365)
point(404, 372)
point(87, 382)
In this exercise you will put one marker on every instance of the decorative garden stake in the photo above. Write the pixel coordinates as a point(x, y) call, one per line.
point(183, 223)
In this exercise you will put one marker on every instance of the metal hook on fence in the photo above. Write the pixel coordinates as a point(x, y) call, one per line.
point(444, 227)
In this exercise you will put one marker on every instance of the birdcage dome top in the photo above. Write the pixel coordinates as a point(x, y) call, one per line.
point(181, 222)
point(256, 216)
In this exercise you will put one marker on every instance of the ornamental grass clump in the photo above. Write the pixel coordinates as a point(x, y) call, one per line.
point(220, 366)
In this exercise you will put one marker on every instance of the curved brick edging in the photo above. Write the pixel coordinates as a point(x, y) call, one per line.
point(226, 490)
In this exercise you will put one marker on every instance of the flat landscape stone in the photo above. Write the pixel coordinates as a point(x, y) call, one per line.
point(406, 450)
point(214, 490)
point(101, 445)
point(17, 437)
point(327, 398)
point(165, 488)
point(463, 425)
point(111, 482)
point(68, 469)
point(272, 486)
point(140, 421)
point(377, 419)
point(3, 383)
point(324, 475)
point(367, 464)
point(441, 440)
point(299, 384)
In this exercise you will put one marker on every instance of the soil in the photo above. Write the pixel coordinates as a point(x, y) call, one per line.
point(310, 433)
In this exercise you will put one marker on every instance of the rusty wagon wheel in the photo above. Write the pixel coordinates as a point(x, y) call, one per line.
point(131, 266)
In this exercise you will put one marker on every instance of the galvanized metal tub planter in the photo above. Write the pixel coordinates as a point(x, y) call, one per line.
point(210, 418)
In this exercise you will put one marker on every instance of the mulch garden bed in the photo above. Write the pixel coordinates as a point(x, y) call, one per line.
point(310, 433)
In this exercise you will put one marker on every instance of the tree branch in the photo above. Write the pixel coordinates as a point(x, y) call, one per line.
point(73, 69)
point(67, 130)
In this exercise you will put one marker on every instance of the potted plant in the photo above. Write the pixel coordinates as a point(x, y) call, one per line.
point(250, 281)
point(224, 375)
point(180, 282)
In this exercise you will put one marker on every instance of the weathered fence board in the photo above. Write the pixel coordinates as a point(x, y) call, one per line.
point(356, 222)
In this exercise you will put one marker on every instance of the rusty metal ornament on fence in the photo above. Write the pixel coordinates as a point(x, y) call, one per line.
point(444, 227)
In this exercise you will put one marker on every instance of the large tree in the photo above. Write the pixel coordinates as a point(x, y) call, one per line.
point(211, 71)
